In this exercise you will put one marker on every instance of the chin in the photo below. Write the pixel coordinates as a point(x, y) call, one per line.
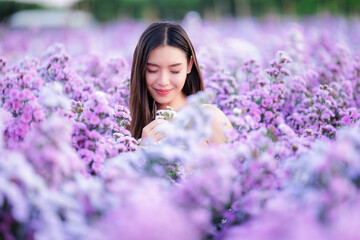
point(164, 103)
point(163, 100)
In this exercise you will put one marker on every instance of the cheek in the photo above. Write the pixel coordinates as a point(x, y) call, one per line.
point(150, 79)
point(180, 79)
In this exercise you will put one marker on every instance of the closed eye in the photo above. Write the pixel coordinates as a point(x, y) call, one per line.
point(175, 72)
point(151, 71)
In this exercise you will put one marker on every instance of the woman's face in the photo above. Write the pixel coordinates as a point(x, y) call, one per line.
point(166, 72)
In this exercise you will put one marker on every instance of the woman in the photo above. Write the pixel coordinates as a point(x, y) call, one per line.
point(164, 72)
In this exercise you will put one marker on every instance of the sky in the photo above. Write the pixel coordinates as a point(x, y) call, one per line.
point(51, 3)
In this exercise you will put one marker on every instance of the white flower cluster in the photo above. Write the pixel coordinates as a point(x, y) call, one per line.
point(166, 114)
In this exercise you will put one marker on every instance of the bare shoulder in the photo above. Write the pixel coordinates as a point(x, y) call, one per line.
point(218, 114)
point(220, 124)
point(213, 109)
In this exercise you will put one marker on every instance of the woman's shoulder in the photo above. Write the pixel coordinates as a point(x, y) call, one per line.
point(219, 116)
point(220, 123)
point(214, 109)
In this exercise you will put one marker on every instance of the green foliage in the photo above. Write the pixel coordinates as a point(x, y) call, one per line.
point(176, 9)
point(109, 10)
point(7, 8)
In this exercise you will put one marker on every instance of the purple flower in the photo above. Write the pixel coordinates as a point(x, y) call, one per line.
point(39, 115)
point(94, 135)
point(21, 96)
point(266, 102)
point(28, 94)
point(13, 93)
point(257, 118)
point(353, 113)
point(268, 115)
point(89, 144)
point(27, 79)
point(139, 214)
point(16, 105)
point(93, 119)
point(26, 117)
point(346, 120)
point(86, 155)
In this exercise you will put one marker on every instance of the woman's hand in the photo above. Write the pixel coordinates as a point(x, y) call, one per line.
point(151, 131)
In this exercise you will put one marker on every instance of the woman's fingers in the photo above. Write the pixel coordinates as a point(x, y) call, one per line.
point(151, 130)
point(159, 135)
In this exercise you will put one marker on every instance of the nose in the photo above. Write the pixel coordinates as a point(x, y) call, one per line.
point(164, 79)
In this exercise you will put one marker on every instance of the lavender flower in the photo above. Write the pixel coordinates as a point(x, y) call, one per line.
point(70, 169)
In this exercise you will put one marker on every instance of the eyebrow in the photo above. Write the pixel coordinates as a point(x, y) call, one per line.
point(172, 65)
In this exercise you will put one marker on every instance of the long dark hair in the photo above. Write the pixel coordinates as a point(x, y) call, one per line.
point(140, 102)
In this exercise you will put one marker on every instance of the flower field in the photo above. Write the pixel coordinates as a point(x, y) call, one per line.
point(70, 169)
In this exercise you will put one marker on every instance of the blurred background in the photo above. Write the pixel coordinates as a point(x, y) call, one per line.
point(107, 11)
point(110, 28)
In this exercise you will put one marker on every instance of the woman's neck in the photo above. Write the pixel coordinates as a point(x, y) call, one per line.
point(176, 104)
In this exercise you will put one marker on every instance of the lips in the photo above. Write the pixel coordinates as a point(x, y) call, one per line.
point(162, 92)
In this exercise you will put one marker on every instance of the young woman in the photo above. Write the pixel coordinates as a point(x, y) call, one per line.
point(164, 72)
